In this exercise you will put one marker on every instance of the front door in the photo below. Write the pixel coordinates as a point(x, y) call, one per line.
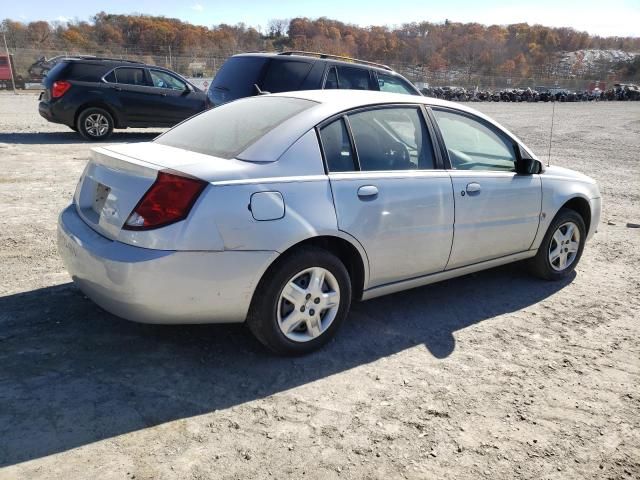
point(497, 209)
point(387, 193)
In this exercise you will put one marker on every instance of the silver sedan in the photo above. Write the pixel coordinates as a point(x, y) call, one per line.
point(280, 210)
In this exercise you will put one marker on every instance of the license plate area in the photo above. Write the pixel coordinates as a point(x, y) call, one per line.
point(102, 192)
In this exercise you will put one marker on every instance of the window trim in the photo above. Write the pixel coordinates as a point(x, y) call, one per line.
point(420, 107)
point(498, 131)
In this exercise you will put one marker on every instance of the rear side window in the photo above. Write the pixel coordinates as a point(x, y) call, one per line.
point(392, 139)
point(131, 76)
point(337, 147)
point(228, 130)
point(285, 76)
point(353, 78)
point(236, 79)
point(85, 72)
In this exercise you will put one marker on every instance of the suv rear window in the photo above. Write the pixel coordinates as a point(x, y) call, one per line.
point(228, 130)
point(85, 72)
point(285, 75)
point(236, 79)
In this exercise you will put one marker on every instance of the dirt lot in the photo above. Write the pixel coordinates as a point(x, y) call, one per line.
point(496, 375)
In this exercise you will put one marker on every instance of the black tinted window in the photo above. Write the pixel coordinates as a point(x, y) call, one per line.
point(392, 139)
point(236, 79)
point(85, 72)
point(337, 147)
point(131, 76)
point(285, 76)
point(228, 130)
point(353, 78)
point(111, 77)
point(332, 79)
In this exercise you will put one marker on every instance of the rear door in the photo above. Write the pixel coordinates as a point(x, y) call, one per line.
point(139, 100)
point(388, 192)
point(497, 209)
point(175, 100)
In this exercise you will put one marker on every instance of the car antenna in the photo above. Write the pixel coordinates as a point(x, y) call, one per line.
point(553, 114)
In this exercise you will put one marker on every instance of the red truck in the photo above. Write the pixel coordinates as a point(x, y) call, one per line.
point(6, 66)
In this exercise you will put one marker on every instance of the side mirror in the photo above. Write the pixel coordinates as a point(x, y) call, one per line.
point(526, 165)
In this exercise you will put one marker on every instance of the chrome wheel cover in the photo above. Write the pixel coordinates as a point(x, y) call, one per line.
point(564, 246)
point(308, 304)
point(96, 125)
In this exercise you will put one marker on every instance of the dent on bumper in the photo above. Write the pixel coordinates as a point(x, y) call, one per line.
point(159, 286)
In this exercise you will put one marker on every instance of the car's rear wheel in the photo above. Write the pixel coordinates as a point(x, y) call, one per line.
point(300, 302)
point(562, 246)
point(95, 124)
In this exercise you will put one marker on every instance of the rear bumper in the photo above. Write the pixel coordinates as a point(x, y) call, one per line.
point(56, 113)
point(159, 286)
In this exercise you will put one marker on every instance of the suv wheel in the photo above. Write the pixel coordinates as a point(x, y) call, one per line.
point(95, 124)
point(300, 302)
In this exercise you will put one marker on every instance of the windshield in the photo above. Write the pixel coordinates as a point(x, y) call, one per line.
point(227, 130)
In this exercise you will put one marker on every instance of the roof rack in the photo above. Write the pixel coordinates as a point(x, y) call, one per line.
point(106, 59)
point(336, 57)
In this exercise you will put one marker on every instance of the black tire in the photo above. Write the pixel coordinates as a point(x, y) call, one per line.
point(262, 319)
point(100, 113)
point(540, 265)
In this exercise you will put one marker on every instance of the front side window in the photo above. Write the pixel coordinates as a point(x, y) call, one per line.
point(472, 145)
point(164, 80)
point(392, 139)
point(337, 147)
point(352, 78)
point(130, 76)
point(390, 83)
point(285, 75)
point(227, 130)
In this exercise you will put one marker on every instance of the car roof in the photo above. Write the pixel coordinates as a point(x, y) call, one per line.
point(333, 102)
point(313, 57)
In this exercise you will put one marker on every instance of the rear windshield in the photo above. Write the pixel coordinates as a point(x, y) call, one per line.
point(228, 130)
point(236, 79)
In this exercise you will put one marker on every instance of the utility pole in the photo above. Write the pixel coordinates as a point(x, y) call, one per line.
point(13, 82)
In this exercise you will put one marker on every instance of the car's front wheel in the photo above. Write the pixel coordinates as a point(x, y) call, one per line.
point(301, 302)
point(95, 124)
point(562, 246)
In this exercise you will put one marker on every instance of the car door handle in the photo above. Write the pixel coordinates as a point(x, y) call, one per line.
point(368, 192)
point(118, 89)
point(473, 187)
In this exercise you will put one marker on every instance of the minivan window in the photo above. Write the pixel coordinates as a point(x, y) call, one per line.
point(332, 79)
point(228, 130)
point(236, 79)
point(285, 75)
point(131, 76)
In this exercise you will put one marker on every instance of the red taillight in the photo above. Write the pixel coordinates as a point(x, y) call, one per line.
point(59, 88)
point(168, 200)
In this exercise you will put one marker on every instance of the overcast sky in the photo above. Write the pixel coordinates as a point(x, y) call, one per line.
point(607, 18)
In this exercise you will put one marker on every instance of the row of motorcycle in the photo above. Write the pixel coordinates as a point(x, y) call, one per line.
point(619, 92)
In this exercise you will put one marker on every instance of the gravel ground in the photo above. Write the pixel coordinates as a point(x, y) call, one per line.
point(494, 375)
